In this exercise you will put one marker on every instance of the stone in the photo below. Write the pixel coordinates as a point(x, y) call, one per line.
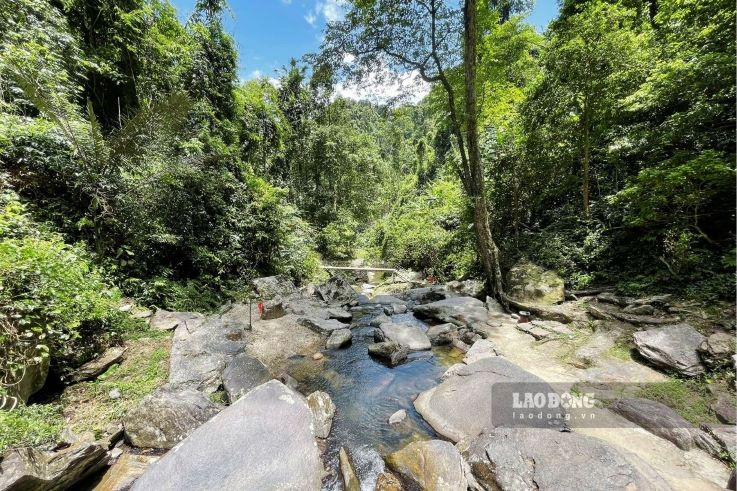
point(724, 408)
point(323, 410)
point(545, 312)
point(428, 294)
point(163, 320)
point(431, 465)
point(262, 441)
point(389, 351)
point(318, 356)
point(321, 326)
point(639, 309)
point(166, 417)
point(468, 288)
point(536, 332)
point(451, 371)
point(725, 435)
point(717, 350)
point(478, 351)
point(528, 282)
point(386, 300)
point(461, 311)
point(407, 335)
point(122, 474)
point(388, 482)
point(441, 334)
point(336, 290)
point(398, 308)
point(273, 309)
point(33, 379)
point(611, 298)
point(140, 312)
point(398, 417)
point(339, 339)
point(34, 469)
point(379, 320)
point(660, 301)
point(114, 394)
point(545, 329)
point(347, 471)
point(547, 459)
point(494, 307)
point(243, 373)
point(672, 347)
point(658, 419)
point(460, 345)
point(92, 369)
point(274, 286)
point(460, 407)
point(340, 315)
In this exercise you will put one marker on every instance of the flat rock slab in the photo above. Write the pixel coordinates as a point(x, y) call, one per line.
point(340, 315)
point(461, 311)
point(433, 465)
point(322, 326)
point(406, 335)
point(658, 419)
point(546, 459)
point(673, 347)
point(263, 441)
point(163, 320)
point(96, 367)
point(242, 373)
point(725, 435)
point(275, 341)
point(478, 351)
point(339, 338)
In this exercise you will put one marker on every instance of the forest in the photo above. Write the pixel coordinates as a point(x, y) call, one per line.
point(136, 163)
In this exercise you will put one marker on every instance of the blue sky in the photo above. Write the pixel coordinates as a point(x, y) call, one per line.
point(270, 32)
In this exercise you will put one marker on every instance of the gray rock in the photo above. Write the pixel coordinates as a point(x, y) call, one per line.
point(640, 309)
point(468, 288)
point(33, 469)
point(441, 334)
point(31, 381)
point(660, 301)
point(347, 471)
point(545, 312)
point(479, 350)
point(546, 459)
point(725, 435)
point(658, 419)
point(527, 282)
point(717, 350)
point(163, 320)
point(323, 410)
point(385, 300)
point(379, 320)
point(337, 290)
point(724, 408)
point(273, 309)
point(389, 351)
point(307, 308)
point(611, 298)
point(494, 307)
point(114, 394)
point(398, 417)
point(672, 347)
point(274, 286)
point(96, 367)
point(242, 373)
point(122, 474)
point(166, 417)
point(428, 294)
point(432, 465)
point(339, 338)
point(406, 335)
point(321, 326)
point(263, 441)
point(398, 308)
point(340, 315)
point(460, 311)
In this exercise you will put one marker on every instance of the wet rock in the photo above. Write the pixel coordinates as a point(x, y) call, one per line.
point(337, 290)
point(672, 347)
point(430, 465)
point(339, 338)
point(274, 286)
point(389, 351)
point(321, 326)
point(460, 311)
point(340, 315)
point(166, 417)
point(122, 474)
point(441, 334)
point(398, 417)
point(350, 479)
point(242, 373)
point(469, 288)
point(32, 469)
point(717, 350)
point(546, 459)
point(388, 482)
point(406, 335)
point(724, 408)
point(323, 410)
point(96, 367)
point(263, 441)
point(528, 282)
point(478, 351)
point(163, 320)
point(658, 419)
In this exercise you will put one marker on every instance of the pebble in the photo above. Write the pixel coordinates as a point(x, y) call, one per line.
point(398, 417)
point(114, 394)
point(317, 356)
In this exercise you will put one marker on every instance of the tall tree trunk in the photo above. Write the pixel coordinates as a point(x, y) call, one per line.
point(586, 158)
point(488, 250)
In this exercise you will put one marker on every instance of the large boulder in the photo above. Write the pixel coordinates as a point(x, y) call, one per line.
point(242, 373)
point(406, 335)
point(658, 419)
point(469, 288)
point(270, 287)
point(432, 465)
point(339, 338)
point(528, 282)
point(123, 473)
point(461, 406)
point(479, 350)
point(163, 320)
point(337, 290)
point(31, 380)
point(672, 347)
point(460, 311)
point(166, 417)
point(428, 294)
point(391, 352)
point(441, 334)
point(321, 326)
point(716, 351)
point(263, 441)
point(548, 460)
point(92, 369)
point(323, 410)
point(32, 469)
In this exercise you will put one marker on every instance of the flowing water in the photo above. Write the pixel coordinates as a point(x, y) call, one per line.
point(366, 393)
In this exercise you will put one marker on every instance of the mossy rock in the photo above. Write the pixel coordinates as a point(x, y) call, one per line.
point(528, 282)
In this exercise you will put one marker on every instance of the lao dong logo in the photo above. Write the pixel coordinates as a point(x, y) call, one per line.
point(552, 400)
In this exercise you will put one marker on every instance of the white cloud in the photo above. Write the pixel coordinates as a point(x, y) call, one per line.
point(311, 18)
point(328, 10)
point(383, 86)
point(286, 2)
point(254, 74)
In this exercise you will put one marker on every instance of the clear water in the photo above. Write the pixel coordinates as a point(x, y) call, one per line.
point(366, 393)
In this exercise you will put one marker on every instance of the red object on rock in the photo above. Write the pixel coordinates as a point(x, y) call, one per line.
point(260, 309)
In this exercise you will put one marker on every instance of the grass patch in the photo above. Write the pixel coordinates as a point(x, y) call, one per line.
point(689, 398)
point(33, 425)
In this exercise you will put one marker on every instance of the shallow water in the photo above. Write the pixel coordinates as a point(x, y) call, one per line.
point(366, 393)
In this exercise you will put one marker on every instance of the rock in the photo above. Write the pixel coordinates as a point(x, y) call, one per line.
point(263, 441)
point(140, 312)
point(339, 338)
point(398, 417)
point(321, 326)
point(122, 474)
point(33, 380)
point(672, 347)
point(639, 309)
point(460, 345)
point(460, 311)
point(545, 329)
point(307, 308)
point(350, 479)
point(460, 407)
point(274, 286)
point(597, 312)
point(323, 410)
point(114, 394)
point(717, 350)
point(658, 419)
point(385, 300)
point(389, 351)
point(112, 434)
point(528, 282)
point(546, 459)
point(660, 301)
point(451, 371)
point(440, 334)
point(163, 320)
point(388, 482)
point(545, 312)
point(430, 465)
point(428, 294)
point(96, 367)
point(478, 351)
point(166, 417)
point(494, 307)
point(337, 290)
point(724, 408)
point(242, 373)
point(126, 304)
point(318, 356)
point(611, 298)
point(273, 309)
point(398, 308)
point(288, 380)
point(535, 331)
point(37, 470)
point(379, 320)
point(406, 335)
point(468, 288)
point(725, 435)
point(340, 315)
